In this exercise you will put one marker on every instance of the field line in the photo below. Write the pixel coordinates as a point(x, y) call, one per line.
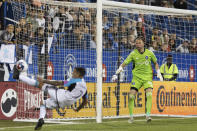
point(70, 123)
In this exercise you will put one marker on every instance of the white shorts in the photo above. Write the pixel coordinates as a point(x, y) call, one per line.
point(57, 96)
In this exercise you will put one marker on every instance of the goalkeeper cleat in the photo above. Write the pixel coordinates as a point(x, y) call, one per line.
point(131, 120)
point(148, 119)
point(15, 73)
point(39, 124)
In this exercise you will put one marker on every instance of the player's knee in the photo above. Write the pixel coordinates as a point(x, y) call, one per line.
point(131, 97)
point(148, 94)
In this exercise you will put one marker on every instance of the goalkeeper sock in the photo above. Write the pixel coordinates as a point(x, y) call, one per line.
point(148, 102)
point(28, 80)
point(131, 104)
point(42, 111)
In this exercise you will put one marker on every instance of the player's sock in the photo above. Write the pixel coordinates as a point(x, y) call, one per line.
point(42, 111)
point(131, 104)
point(148, 102)
point(28, 80)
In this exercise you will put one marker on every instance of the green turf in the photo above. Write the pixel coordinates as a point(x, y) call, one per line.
point(157, 124)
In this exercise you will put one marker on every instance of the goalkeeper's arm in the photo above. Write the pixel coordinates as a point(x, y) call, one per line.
point(158, 71)
point(120, 69)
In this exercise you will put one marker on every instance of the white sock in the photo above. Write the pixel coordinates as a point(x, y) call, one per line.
point(42, 111)
point(28, 80)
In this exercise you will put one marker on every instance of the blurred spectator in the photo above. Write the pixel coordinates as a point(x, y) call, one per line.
point(164, 36)
point(22, 39)
point(31, 18)
point(116, 21)
point(139, 28)
point(180, 4)
point(128, 25)
point(133, 1)
point(171, 3)
point(93, 42)
point(134, 29)
point(124, 43)
point(165, 4)
point(1, 28)
point(164, 47)
point(183, 48)
point(141, 2)
point(40, 19)
point(39, 42)
point(106, 23)
point(1, 12)
point(131, 41)
point(193, 46)
point(115, 43)
point(63, 21)
point(79, 39)
point(155, 36)
point(141, 20)
point(154, 46)
point(123, 31)
point(7, 36)
point(87, 16)
point(172, 45)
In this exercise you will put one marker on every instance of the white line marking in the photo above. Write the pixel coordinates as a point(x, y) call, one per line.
point(69, 123)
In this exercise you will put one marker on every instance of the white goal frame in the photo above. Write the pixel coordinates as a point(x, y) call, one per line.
point(107, 3)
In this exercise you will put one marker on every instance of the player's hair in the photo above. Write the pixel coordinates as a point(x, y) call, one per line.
point(169, 56)
point(139, 38)
point(81, 71)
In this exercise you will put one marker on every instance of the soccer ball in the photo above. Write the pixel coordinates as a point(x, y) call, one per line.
point(21, 66)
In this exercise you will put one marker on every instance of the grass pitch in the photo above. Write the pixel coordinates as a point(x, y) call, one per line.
point(157, 124)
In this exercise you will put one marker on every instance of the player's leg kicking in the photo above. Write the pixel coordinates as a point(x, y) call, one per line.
point(45, 87)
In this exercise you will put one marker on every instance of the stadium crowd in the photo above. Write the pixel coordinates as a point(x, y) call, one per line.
point(75, 28)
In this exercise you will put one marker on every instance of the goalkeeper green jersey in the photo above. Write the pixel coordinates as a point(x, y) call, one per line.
point(142, 67)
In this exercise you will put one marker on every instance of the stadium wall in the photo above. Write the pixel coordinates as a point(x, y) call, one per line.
point(169, 98)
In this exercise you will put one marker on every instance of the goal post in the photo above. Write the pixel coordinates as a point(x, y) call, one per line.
point(98, 37)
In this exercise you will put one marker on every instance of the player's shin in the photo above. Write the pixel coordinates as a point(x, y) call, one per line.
point(148, 103)
point(42, 111)
point(131, 104)
point(28, 80)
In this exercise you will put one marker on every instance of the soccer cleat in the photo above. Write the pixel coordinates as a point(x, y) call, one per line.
point(39, 124)
point(148, 119)
point(15, 73)
point(131, 120)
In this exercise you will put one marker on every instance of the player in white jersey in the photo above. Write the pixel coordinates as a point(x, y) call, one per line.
point(59, 98)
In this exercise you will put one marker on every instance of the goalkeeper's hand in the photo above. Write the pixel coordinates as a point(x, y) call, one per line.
point(120, 69)
point(114, 78)
point(159, 75)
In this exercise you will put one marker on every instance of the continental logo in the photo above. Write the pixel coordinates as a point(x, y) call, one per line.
point(174, 98)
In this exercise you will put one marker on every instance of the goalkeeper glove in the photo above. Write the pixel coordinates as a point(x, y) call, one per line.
point(159, 75)
point(114, 78)
point(120, 69)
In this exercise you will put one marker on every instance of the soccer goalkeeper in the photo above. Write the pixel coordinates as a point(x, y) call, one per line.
point(142, 75)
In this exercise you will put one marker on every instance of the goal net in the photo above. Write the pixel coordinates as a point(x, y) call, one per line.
point(55, 37)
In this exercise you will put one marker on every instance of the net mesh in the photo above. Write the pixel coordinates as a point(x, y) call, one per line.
point(59, 36)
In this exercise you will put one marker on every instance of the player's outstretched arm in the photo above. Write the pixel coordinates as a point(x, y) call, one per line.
point(84, 102)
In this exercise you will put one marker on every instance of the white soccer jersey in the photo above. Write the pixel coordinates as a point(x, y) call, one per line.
point(60, 97)
point(76, 90)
